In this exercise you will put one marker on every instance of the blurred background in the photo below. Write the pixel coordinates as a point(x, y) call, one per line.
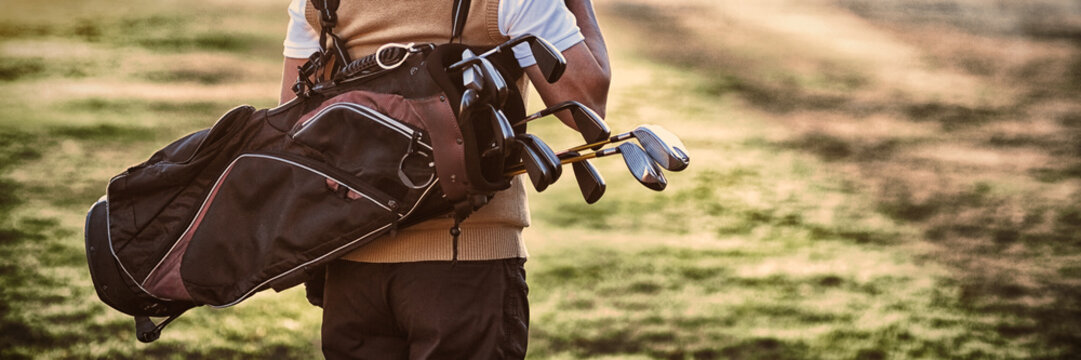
point(870, 179)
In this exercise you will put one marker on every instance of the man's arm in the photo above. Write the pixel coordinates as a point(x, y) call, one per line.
point(588, 73)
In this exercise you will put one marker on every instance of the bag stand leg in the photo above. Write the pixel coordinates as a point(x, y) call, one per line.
point(147, 331)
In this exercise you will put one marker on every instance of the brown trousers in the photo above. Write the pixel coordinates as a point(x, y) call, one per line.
point(426, 310)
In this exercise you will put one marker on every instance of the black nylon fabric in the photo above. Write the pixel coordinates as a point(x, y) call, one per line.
point(116, 289)
point(153, 200)
point(272, 217)
point(234, 209)
point(265, 215)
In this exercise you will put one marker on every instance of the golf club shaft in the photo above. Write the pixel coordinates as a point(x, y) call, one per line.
point(562, 161)
point(616, 138)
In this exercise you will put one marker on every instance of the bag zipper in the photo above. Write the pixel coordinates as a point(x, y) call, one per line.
point(370, 113)
point(341, 176)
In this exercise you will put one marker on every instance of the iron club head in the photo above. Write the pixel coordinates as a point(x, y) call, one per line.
point(471, 75)
point(540, 174)
point(590, 182)
point(495, 85)
point(550, 61)
point(546, 153)
point(663, 146)
point(592, 127)
point(640, 165)
point(501, 128)
point(469, 99)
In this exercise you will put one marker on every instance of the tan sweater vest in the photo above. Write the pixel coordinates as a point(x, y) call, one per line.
point(493, 232)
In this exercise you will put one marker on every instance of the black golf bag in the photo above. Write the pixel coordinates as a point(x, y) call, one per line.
point(265, 197)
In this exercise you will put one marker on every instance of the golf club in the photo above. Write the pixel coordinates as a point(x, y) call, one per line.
point(550, 61)
point(660, 144)
point(495, 84)
point(589, 180)
point(644, 169)
point(481, 75)
point(502, 130)
point(471, 75)
point(592, 127)
point(540, 174)
point(470, 98)
point(546, 153)
point(476, 79)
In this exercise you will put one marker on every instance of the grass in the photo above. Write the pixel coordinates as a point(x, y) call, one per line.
point(891, 181)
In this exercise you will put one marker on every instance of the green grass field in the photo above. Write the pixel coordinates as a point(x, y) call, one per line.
point(870, 180)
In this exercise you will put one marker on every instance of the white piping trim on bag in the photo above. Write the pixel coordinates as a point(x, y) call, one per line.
point(217, 184)
point(109, 237)
point(340, 248)
point(362, 110)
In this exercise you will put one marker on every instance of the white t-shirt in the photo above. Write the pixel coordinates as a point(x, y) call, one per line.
point(547, 19)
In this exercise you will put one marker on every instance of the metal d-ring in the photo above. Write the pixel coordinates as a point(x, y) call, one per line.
point(401, 166)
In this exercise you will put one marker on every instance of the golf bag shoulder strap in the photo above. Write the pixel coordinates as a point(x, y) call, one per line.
point(337, 49)
point(459, 16)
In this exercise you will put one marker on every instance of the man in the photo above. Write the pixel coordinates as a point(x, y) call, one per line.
point(402, 297)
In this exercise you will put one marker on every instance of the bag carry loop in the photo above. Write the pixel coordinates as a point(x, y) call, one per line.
point(147, 331)
point(317, 63)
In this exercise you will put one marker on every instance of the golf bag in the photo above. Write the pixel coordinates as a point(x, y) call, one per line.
point(263, 198)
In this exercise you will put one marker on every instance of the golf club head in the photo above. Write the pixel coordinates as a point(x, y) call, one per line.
point(550, 61)
point(471, 75)
point(663, 146)
point(589, 180)
point(470, 98)
point(539, 172)
point(544, 151)
point(592, 127)
point(504, 133)
point(642, 167)
point(495, 86)
point(589, 124)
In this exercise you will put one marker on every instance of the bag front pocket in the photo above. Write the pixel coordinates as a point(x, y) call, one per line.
point(268, 215)
point(376, 148)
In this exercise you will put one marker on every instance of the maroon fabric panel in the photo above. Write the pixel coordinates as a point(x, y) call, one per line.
point(434, 115)
point(165, 281)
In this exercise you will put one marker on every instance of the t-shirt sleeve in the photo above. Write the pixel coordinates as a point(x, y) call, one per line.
point(547, 19)
point(301, 40)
